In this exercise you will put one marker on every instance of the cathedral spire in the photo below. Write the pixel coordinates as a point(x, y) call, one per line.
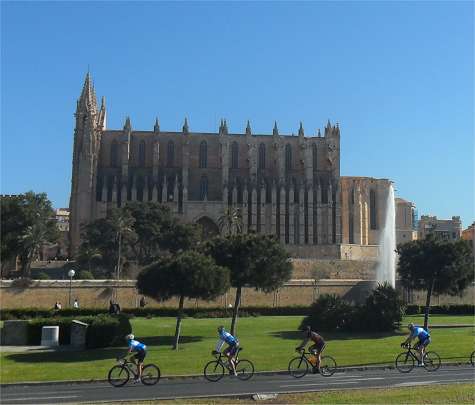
point(301, 132)
point(248, 128)
point(127, 125)
point(275, 131)
point(186, 129)
point(87, 100)
point(101, 119)
point(156, 127)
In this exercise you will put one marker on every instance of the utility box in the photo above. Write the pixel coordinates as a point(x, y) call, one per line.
point(78, 334)
point(50, 336)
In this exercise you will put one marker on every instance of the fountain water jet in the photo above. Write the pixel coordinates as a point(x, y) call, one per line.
point(386, 268)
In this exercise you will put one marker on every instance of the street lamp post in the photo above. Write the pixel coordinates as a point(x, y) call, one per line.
point(71, 274)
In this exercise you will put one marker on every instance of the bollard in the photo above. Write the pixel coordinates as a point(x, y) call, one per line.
point(50, 336)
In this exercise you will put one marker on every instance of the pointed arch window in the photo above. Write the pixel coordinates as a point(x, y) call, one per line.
point(114, 154)
point(142, 153)
point(314, 156)
point(170, 154)
point(372, 210)
point(203, 155)
point(204, 188)
point(288, 157)
point(234, 155)
point(261, 164)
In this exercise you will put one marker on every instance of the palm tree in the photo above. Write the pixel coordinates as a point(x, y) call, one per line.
point(123, 222)
point(230, 223)
point(31, 241)
point(89, 254)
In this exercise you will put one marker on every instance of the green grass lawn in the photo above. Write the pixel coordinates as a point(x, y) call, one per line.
point(268, 341)
point(440, 319)
point(435, 394)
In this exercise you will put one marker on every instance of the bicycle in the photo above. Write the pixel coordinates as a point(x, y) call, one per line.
point(405, 361)
point(472, 359)
point(214, 370)
point(119, 375)
point(298, 366)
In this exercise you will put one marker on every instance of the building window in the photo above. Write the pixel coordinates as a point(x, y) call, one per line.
point(262, 157)
point(288, 157)
point(114, 154)
point(234, 155)
point(170, 154)
point(204, 188)
point(314, 156)
point(142, 154)
point(372, 210)
point(203, 155)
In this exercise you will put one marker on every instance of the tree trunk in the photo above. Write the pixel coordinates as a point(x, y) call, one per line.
point(427, 309)
point(237, 302)
point(178, 322)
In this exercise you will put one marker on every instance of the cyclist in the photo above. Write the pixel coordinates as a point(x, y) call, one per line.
point(424, 340)
point(316, 348)
point(140, 351)
point(231, 350)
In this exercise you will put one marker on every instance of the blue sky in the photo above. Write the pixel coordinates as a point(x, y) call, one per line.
point(397, 76)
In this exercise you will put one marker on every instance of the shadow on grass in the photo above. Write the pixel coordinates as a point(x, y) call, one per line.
point(169, 340)
point(94, 354)
point(67, 357)
point(295, 335)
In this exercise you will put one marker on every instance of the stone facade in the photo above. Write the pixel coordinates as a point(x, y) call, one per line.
point(288, 186)
point(406, 221)
point(448, 229)
point(363, 203)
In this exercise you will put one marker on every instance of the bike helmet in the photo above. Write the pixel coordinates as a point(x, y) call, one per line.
point(410, 326)
point(220, 328)
point(129, 337)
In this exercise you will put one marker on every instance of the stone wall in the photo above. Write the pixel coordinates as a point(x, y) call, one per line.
point(97, 293)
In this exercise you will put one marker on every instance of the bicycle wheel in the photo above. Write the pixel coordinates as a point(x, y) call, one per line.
point(472, 359)
point(327, 366)
point(118, 376)
point(150, 374)
point(298, 367)
point(404, 362)
point(431, 361)
point(214, 371)
point(244, 370)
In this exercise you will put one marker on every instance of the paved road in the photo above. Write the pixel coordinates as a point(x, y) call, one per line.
point(198, 387)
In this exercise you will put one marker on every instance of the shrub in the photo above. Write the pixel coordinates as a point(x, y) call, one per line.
point(85, 275)
point(107, 330)
point(104, 330)
point(42, 276)
point(329, 313)
point(382, 310)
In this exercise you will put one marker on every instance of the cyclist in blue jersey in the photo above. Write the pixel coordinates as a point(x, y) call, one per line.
point(424, 340)
point(140, 351)
point(231, 350)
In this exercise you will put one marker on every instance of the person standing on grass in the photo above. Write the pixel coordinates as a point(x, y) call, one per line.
point(316, 348)
point(76, 303)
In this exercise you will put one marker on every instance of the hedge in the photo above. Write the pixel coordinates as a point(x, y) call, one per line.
point(104, 330)
point(32, 313)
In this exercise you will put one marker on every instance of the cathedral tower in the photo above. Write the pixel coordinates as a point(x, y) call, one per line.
point(87, 139)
